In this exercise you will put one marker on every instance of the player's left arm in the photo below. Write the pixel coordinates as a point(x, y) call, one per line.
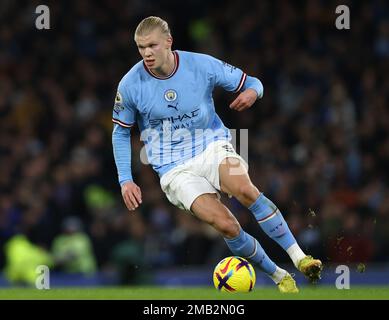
point(234, 80)
point(252, 90)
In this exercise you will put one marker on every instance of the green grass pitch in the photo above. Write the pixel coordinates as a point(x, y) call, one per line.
point(192, 293)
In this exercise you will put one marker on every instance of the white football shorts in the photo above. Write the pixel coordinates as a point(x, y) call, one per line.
point(199, 175)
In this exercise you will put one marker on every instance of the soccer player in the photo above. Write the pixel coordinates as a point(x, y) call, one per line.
point(169, 95)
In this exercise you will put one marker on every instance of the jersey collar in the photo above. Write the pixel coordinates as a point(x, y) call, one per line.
point(176, 63)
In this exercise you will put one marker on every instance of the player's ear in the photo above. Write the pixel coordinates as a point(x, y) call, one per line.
point(169, 41)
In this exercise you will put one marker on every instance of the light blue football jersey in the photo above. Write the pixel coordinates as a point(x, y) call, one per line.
point(176, 114)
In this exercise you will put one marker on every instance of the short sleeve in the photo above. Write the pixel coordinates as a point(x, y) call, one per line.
point(225, 75)
point(124, 110)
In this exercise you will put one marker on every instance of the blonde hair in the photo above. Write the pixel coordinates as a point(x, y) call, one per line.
point(151, 23)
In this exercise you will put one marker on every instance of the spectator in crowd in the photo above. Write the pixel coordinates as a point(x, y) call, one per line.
point(72, 249)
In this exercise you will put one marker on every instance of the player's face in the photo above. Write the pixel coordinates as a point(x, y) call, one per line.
point(154, 48)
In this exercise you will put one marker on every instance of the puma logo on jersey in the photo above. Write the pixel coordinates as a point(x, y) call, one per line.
point(174, 107)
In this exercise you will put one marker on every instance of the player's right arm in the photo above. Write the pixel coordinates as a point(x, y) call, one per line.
point(123, 117)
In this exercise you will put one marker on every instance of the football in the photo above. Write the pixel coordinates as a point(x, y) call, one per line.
point(234, 274)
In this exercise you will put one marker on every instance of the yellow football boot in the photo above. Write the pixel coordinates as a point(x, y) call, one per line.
point(311, 268)
point(287, 285)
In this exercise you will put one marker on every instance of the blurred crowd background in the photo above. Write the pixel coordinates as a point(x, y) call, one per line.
point(318, 140)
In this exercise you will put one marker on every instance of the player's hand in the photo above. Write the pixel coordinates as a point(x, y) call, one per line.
point(132, 195)
point(245, 100)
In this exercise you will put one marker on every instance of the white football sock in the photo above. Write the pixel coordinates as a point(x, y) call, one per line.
point(295, 253)
point(278, 275)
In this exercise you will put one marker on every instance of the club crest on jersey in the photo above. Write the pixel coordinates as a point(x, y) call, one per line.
point(118, 106)
point(170, 95)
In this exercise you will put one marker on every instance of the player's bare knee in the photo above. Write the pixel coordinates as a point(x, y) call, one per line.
point(229, 228)
point(248, 193)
